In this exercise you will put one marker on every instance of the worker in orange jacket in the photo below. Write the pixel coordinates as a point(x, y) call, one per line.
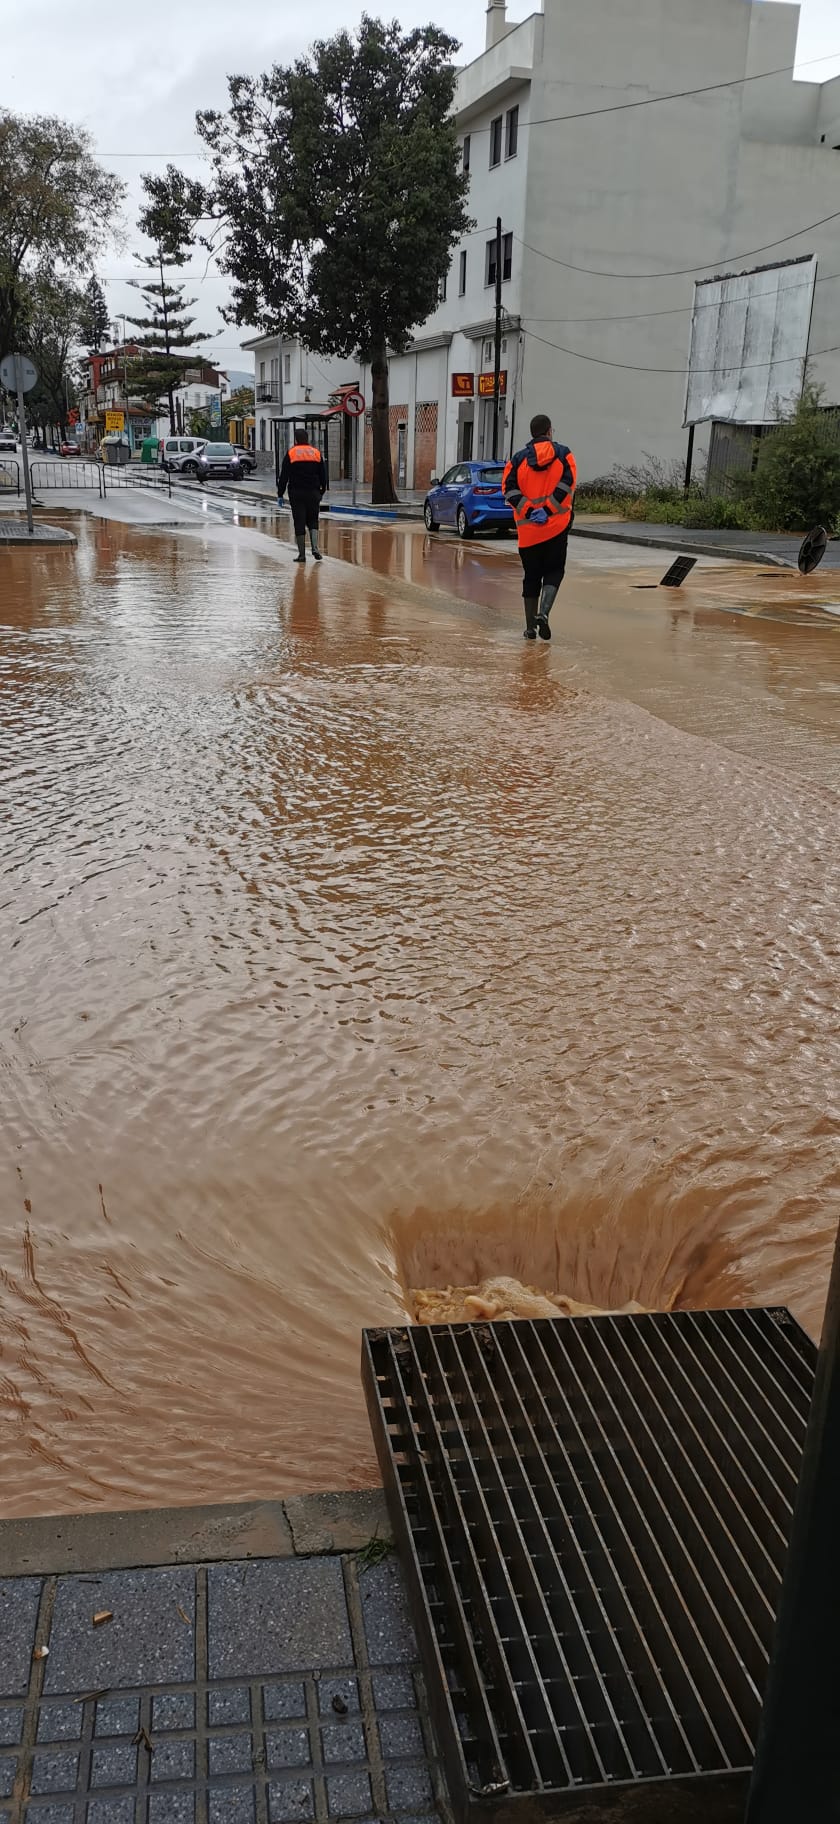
point(539, 483)
point(304, 473)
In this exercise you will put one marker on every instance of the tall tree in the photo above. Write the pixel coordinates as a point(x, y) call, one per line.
point(55, 202)
point(95, 322)
point(51, 335)
point(339, 186)
point(165, 219)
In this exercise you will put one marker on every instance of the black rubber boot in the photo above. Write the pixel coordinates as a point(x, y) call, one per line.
point(301, 545)
point(531, 607)
point(316, 552)
point(547, 600)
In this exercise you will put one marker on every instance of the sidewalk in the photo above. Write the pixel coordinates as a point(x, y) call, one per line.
point(778, 548)
point(258, 1690)
point(339, 498)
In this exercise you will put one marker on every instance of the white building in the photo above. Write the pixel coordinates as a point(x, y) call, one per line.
point(609, 211)
point(290, 382)
point(204, 391)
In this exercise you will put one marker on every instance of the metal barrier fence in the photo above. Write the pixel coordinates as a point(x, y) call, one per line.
point(7, 480)
point(78, 476)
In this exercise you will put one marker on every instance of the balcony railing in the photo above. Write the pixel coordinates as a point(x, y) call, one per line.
point(267, 394)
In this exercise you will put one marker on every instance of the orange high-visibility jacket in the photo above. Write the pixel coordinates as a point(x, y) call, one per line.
point(303, 471)
point(541, 479)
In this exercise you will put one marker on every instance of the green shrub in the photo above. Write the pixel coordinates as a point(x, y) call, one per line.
point(716, 514)
point(796, 483)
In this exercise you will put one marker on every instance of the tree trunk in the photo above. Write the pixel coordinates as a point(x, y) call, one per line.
point(173, 428)
point(383, 492)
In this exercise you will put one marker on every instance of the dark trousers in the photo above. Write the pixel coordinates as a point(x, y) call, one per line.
point(543, 563)
point(305, 509)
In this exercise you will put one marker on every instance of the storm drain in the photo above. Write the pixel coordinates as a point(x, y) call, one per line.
point(593, 1516)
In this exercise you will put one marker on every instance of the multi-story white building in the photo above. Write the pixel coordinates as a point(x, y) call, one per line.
point(616, 188)
point(290, 382)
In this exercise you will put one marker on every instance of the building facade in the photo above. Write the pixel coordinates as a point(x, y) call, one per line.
point(291, 383)
point(616, 189)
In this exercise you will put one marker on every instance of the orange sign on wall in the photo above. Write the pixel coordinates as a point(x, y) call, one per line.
point(486, 384)
point(463, 386)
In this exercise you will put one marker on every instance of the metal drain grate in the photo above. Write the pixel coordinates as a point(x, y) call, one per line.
point(594, 1516)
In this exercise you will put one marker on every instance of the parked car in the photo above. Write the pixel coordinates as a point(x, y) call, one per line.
point(469, 498)
point(220, 459)
point(182, 453)
point(8, 440)
point(249, 461)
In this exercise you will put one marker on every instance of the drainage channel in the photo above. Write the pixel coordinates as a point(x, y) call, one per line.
point(594, 1515)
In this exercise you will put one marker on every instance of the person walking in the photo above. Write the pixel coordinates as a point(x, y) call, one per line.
point(304, 474)
point(539, 483)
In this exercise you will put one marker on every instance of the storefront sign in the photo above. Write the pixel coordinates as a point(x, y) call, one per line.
point(463, 386)
point(486, 385)
point(114, 421)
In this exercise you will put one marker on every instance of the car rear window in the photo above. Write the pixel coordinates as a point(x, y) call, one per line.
point(491, 477)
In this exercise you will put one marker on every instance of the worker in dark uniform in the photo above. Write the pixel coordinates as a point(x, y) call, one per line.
point(304, 474)
point(539, 483)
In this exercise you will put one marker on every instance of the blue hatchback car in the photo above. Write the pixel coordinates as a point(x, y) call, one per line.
point(469, 498)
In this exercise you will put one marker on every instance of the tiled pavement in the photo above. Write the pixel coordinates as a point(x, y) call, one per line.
point(272, 1691)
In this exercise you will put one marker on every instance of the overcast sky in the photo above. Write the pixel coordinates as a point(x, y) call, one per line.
point(135, 74)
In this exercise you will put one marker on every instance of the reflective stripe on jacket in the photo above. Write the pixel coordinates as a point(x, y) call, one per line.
point(539, 483)
point(303, 471)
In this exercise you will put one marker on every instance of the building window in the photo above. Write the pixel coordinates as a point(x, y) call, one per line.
point(507, 256)
point(287, 370)
point(511, 132)
point(466, 151)
point(490, 262)
point(496, 141)
point(262, 372)
point(442, 290)
point(462, 272)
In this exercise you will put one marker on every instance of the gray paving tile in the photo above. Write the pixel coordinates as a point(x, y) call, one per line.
point(60, 1722)
point(231, 1805)
point(11, 1724)
point(400, 1735)
point(172, 1808)
point(287, 1748)
point(232, 1706)
point(348, 1794)
point(282, 1702)
point(173, 1761)
point(50, 1814)
point(343, 1742)
point(173, 1710)
point(276, 1615)
point(146, 1643)
point(409, 1787)
point(394, 1691)
point(19, 1599)
point(345, 1690)
point(55, 1772)
point(388, 1630)
point(115, 1765)
point(290, 1801)
point(230, 1754)
point(111, 1811)
point(7, 1775)
point(117, 1716)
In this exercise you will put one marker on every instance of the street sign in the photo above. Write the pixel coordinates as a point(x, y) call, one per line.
point(114, 421)
point(463, 386)
point(487, 384)
point(14, 377)
point(353, 404)
point(215, 413)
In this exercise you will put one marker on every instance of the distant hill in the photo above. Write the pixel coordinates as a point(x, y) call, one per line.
point(239, 377)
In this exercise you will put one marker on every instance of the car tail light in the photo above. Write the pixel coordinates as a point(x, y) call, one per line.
point(485, 490)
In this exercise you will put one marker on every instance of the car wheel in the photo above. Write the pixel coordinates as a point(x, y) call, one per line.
point(464, 528)
point(429, 518)
point(190, 468)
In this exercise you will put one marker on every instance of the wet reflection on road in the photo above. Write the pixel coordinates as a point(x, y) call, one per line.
point(352, 944)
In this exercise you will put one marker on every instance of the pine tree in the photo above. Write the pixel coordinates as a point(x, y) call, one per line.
point(167, 328)
point(94, 321)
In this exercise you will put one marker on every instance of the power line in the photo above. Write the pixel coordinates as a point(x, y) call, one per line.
point(631, 367)
point(680, 272)
point(650, 101)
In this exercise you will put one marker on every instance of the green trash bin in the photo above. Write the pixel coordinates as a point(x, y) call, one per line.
point(149, 449)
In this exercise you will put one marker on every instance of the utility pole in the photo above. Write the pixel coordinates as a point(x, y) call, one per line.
point(497, 352)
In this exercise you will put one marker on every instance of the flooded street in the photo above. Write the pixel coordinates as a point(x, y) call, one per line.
point(351, 944)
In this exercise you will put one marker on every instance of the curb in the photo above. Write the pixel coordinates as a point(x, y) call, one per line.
point(693, 548)
point(301, 1526)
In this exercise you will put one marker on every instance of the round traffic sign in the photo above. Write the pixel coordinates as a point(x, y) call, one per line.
point(13, 367)
point(353, 404)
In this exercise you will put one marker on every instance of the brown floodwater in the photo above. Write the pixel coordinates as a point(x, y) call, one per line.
point(352, 945)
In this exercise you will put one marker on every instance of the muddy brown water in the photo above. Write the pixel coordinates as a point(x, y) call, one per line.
point(351, 944)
